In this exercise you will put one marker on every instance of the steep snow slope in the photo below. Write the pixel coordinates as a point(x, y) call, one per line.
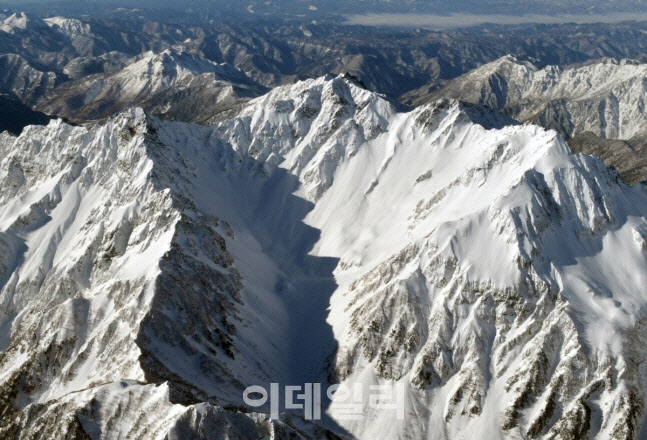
point(176, 85)
point(605, 97)
point(319, 236)
point(123, 311)
point(479, 269)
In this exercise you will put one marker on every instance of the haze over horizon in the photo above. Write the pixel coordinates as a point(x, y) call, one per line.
point(369, 12)
point(457, 20)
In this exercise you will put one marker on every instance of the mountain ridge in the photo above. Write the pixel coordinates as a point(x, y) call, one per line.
point(571, 100)
point(173, 84)
point(329, 238)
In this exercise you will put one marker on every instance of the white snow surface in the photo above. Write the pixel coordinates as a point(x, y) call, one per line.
point(20, 21)
point(321, 235)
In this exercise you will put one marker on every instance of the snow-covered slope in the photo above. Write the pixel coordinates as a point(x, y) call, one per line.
point(70, 27)
point(21, 21)
point(606, 97)
point(153, 270)
point(122, 307)
point(177, 85)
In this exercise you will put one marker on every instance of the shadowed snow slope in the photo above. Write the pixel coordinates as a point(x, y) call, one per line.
point(151, 271)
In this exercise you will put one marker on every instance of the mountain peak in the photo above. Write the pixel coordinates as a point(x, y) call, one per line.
point(510, 61)
point(173, 83)
point(319, 226)
point(182, 63)
point(21, 21)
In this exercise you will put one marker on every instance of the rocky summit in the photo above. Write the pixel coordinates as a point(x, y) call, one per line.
point(151, 271)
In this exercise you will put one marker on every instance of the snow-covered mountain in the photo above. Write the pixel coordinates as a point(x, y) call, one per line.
point(176, 85)
point(29, 84)
point(21, 21)
point(606, 97)
point(74, 44)
point(598, 106)
point(152, 270)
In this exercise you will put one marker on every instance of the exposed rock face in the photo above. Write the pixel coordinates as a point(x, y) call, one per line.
point(151, 271)
point(111, 280)
point(629, 156)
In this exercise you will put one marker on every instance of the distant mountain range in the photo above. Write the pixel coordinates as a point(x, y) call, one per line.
point(316, 8)
point(606, 97)
point(176, 85)
point(51, 63)
point(90, 69)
